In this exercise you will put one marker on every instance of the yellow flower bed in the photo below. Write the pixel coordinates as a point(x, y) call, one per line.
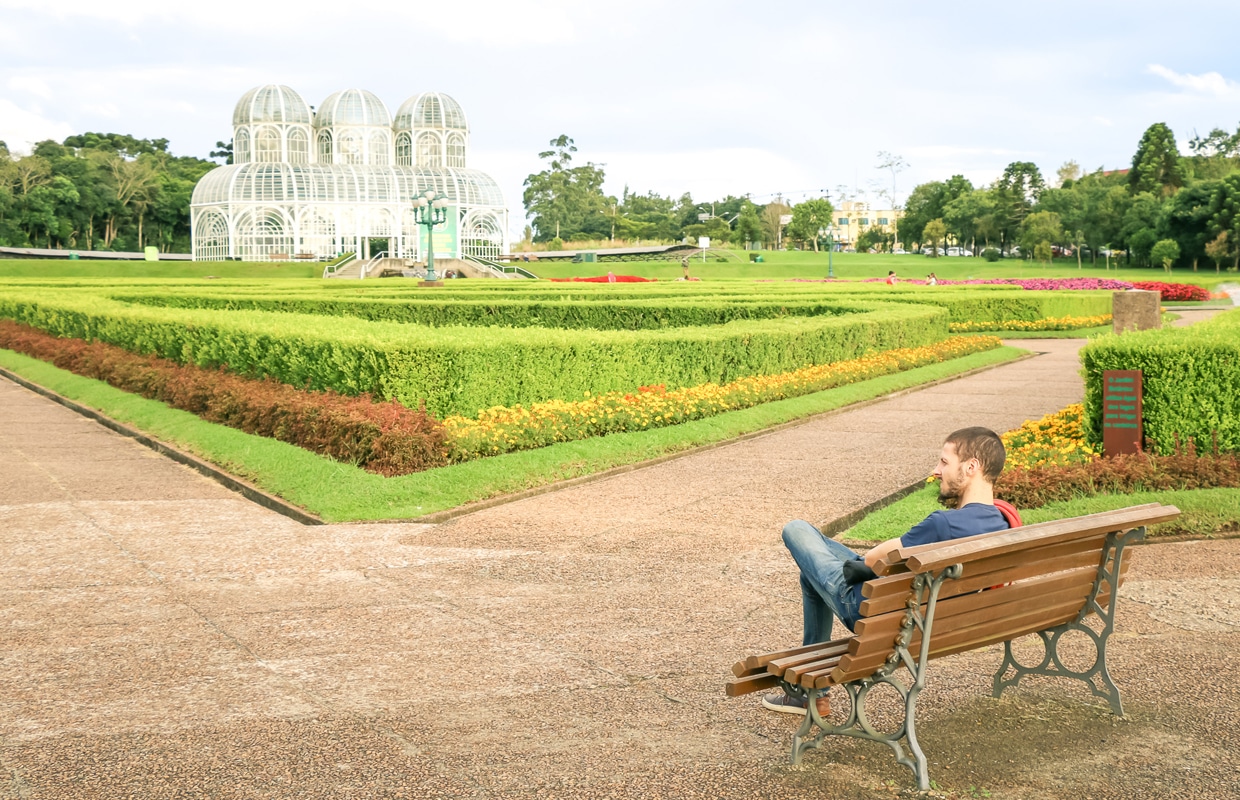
point(1056, 439)
point(1049, 324)
point(504, 429)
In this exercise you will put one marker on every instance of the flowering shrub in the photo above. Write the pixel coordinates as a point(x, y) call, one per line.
point(386, 438)
point(606, 279)
point(505, 429)
point(1049, 324)
point(1055, 439)
point(1174, 291)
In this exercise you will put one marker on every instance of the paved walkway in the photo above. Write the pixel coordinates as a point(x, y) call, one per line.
point(162, 637)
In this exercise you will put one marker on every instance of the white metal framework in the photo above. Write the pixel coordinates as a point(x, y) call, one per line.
point(305, 184)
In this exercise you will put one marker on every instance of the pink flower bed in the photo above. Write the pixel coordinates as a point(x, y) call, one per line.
point(606, 279)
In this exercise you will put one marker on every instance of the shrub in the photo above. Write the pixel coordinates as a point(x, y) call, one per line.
point(1191, 382)
point(460, 370)
point(1036, 486)
point(555, 244)
point(991, 254)
point(386, 438)
point(1174, 291)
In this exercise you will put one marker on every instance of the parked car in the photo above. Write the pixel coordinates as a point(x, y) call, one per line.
point(959, 251)
point(925, 251)
point(899, 251)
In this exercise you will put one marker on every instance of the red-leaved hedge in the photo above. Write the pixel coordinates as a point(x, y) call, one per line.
point(385, 438)
point(1174, 291)
point(1033, 487)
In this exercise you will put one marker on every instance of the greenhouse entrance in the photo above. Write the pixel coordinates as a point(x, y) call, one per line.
point(375, 246)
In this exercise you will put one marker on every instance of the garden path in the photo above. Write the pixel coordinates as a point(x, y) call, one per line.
point(163, 637)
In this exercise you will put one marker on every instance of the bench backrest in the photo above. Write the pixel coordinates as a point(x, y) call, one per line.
point(1035, 577)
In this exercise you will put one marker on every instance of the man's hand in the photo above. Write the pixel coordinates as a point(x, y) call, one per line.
point(879, 552)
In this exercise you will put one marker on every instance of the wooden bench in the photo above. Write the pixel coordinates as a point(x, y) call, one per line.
point(949, 597)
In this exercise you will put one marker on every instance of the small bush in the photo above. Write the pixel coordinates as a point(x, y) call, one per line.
point(991, 254)
point(555, 244)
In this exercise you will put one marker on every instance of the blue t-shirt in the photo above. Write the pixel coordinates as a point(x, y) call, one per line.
point(947, 524)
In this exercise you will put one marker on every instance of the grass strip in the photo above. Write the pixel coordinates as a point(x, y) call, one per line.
point(1205, 512)
point(340, 492)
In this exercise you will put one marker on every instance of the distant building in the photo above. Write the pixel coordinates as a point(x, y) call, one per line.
point(306, 184)
point(855, 217)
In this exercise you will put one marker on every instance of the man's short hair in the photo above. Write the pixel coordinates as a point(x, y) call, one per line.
point(982, 444)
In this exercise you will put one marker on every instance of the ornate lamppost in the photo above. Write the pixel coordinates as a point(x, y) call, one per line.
point(430, 210)
point(828, 233)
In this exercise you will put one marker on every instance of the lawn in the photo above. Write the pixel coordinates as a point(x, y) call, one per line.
point(852, 266)
point(64, 268)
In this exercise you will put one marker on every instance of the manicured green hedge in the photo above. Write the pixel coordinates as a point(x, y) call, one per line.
point(1191, 382)
point(464, 369)
point(605, 312)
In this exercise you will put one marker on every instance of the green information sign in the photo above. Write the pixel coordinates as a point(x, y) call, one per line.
point(1121, 411)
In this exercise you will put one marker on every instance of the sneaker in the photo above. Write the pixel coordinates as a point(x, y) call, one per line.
point(787, 704)
point(784, 703)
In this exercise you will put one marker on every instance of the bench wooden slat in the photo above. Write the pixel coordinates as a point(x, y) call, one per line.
point(874, 607)
point(759, 662)
point(836, 647)
point(754, 683)
point(946, 609)
point(972, 616)
point(793, 674)
point(973, 548)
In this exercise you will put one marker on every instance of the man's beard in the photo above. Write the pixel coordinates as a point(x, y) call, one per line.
point(949, 497)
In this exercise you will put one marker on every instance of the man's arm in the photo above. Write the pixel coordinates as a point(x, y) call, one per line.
point(876, 554)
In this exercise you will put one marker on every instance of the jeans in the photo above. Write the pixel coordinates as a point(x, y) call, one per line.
point(824, 595)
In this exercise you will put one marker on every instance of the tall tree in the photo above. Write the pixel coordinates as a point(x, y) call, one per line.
point(1156, 164)
point(566, 201)
point(1016, 192)
point(933, 234)
point(809, 217)
point(772, 216)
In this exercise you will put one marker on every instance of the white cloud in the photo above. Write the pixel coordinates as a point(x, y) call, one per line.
point(31, 85)
point(474, 21)
point(20, 128)
point(1205, 83)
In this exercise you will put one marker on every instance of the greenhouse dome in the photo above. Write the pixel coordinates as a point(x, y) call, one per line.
point(431, 131)
point(354, 191)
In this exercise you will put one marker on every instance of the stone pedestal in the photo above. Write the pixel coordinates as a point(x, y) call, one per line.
point(1136, 310)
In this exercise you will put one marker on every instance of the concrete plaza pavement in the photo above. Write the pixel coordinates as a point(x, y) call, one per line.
point(162, 637)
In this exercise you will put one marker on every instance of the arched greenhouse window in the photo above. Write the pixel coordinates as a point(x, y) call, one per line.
point(298, 147)
point(211, 237)
point(404, 150)
point(429, 154)
point(325, 147)
point(267, 145)
point(456, 150)
point(241, 147)
point(350, 145)
point(380, 149)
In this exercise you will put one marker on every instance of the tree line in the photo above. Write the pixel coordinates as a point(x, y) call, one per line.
point(98, 191)
point(1167, 209)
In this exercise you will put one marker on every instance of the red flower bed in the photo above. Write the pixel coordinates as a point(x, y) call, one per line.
point(607, 279)
point(385, 438)
point(1032, 487)
point(1174, 291)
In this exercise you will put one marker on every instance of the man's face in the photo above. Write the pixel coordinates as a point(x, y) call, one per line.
point(952, 475)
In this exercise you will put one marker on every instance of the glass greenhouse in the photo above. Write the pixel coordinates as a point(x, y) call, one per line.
point(314, 185)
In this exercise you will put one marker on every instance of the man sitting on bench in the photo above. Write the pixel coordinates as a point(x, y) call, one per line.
point(832, 575)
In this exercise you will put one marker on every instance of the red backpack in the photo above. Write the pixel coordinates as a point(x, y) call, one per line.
point(1009, 513)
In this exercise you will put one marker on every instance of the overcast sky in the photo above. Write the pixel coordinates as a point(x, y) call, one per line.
point(712, 98)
